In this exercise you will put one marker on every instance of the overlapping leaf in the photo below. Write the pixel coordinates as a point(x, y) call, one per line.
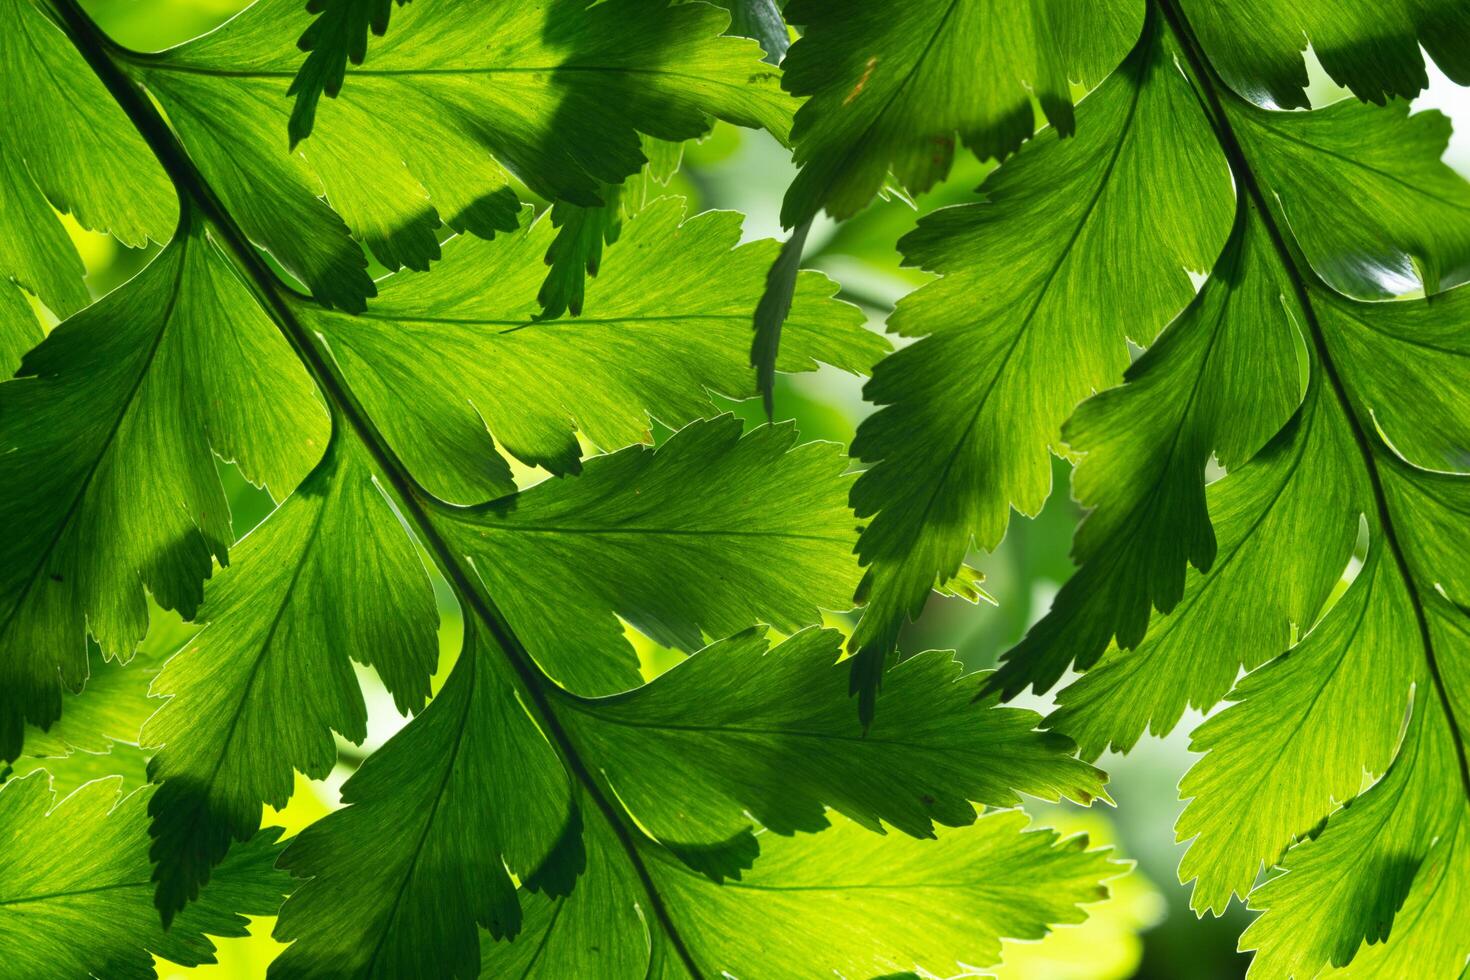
point(846, 901)
point(1219, 382)
point(1372, 48)
point(505, 776)
point(434, 127)
point(1284, 536)
point(1311, 768)
point(66, 145)
point(1038, 300)
point(77, 895)
point(99, 732)
point(476, 750)
point(699, 538)
point(1407, 606)
point(891, 86)
point(329, 578)
point(1325, 169)
point(576, 251)
point(339, 34)
point(1372, 208)
point(107, 470)
point(681, 579)
point(672, 312)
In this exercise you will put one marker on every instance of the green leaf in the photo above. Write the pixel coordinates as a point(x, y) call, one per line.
point(464, 796)
point(1372, 48)
point(77, 896)
point(889, 903)
point(1309, 732)
point(576, 251)
point(339, 32)
point(1364, 866)
point(110, 709)
point(891, 85)
point(1314, 769)
point(1305, 730)
point(845, 900)
point(1429, 935)
point(760, 20)
point(688, 753)
point(66, 144)
point(107, 473)
point(435, 126)
point(1351, 156)
point(1348, 177)
point(672, 306)
point(699, 538)
point(327, 579)
point(771, 313)
point(1033, 312)
point(1386, 348)
point(1219, 382)
point(19, 328)
point(1390, 863)
point(1368, 199)
point(1285, 525)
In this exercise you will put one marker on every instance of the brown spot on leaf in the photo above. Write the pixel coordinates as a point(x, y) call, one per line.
point(867, 74)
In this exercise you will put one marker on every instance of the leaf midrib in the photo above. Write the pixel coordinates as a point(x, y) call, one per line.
point(157, 63)
point(74, 892)
point(521, 324)
point(591, 706)
point(697, 532)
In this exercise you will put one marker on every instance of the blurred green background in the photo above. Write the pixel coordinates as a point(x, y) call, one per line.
point(1147, 929)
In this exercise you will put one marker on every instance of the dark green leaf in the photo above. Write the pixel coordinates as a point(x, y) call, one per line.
point(339, 32)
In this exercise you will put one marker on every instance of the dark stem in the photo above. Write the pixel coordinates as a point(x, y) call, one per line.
point(196, 191)
point(1209, 83)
